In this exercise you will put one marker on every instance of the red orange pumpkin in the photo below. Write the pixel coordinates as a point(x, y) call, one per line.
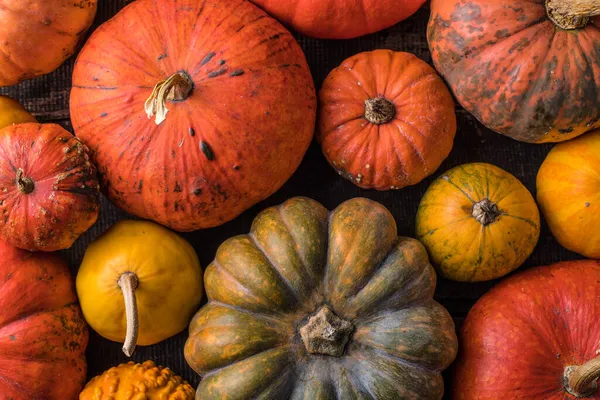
point(535, 336)
point(525, 68)
point(37, 36)
point(386, 120)
point(43, 335)
point(340, 19)
point(240, 100)
point(49, 193)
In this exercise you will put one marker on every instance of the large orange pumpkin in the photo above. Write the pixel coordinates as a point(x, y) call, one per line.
point(568, 192)
point(49, 193)
point(37, 36)
point(535, 336)
point(529, 69)
point(240, 99)
point(43, 335)
point(340, 19)
point(386, 120)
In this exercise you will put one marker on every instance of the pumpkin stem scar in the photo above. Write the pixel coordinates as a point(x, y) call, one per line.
point(177, 87)
point(572, 14)
point(25, 184)
point(486, 212)
point(128, 282)
point(581, 380)
point(325, 333)
point(379, 110)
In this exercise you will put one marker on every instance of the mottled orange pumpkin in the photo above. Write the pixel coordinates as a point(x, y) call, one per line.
point(49, 193)
point(240, 100)
point(386, 120)
point(568, 192)
point(478, 222)
point(529, 69)
point(534, 336)
point(340, 19)
point(37, 36)
point(43, 335)
point(319, 305)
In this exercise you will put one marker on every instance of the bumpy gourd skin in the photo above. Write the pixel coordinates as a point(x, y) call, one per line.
point(132, 381)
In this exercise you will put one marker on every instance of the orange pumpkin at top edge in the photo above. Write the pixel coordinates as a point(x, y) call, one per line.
point(340, 19)
point(525, 70)
point(37, 36)
point(194, 111)
point(386, 120)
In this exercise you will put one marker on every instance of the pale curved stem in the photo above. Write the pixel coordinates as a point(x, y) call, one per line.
point(128, 282)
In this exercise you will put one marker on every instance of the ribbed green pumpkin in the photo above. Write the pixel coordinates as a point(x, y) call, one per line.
point(319, 305)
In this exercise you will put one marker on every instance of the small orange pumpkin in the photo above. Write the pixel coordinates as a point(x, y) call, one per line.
point(386, 121)
point(37, 36)
point(49, 193)
point(568, 192)
point(478, 222)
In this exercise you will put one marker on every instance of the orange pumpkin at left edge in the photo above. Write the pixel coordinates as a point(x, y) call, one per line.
point(386, 120)
point(43, 335)
point(49, 193)
point(194, 110)
point(37, 36)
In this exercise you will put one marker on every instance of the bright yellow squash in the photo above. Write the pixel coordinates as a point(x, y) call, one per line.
point(478, 222)
point(12, 112)
point(137, 381)
point(139, 283)
point(568, 192)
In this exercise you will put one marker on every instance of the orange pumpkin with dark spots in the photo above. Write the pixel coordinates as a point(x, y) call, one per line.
point(528, 69)
point(194, 110)
point(49, 193)
point(43, 335)
point(386, 120)
point(37, 36)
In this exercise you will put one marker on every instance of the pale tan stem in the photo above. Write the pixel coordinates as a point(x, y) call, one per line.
point(581, 380)
point(128, 282)
point(572, 14)
point(175, 88)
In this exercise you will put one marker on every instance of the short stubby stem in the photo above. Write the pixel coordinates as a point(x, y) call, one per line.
point(572, 14)
point(379, 111)
point(486, 212)
point(128, 282)
point(582, 380)
point(24, 183)
point(325, 333)
point(177, 87)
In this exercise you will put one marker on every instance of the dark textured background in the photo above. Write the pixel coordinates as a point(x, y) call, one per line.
point(47, 98)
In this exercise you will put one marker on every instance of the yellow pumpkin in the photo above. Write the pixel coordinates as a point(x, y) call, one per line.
point(137, 381)
point(139, 283)
point(568, 192)
point(478, 222)
point(12, 112)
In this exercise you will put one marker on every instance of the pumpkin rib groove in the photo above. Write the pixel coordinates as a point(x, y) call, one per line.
point(272, 305)
point(33, 314)
point(249, 312)
point(381, 312)
point(534, 78)
point(195, 34)
point(297, 296)
point(522, 219)
point(212, 372)
point(447, 179)
point(434, 230)
point(414, 146)
point(417, 80)
point(365, 348)
point(307, 269)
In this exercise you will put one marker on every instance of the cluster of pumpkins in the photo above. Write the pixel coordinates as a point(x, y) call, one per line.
point(311, 303)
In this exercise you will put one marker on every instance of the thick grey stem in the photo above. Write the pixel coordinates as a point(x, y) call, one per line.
point(24, 183)
point(128, 282)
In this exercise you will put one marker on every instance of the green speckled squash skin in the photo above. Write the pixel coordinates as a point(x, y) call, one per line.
point(302, 273)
